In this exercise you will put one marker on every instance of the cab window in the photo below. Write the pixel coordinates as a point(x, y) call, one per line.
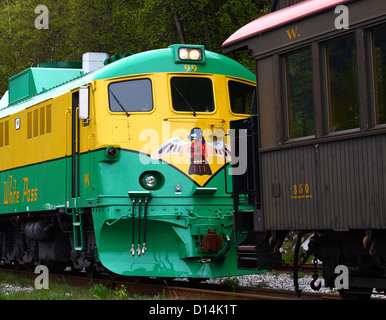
point(131, 96)
point(192, 94)
point(242, 97)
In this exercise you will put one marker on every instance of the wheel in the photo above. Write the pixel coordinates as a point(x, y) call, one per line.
point(356, 293)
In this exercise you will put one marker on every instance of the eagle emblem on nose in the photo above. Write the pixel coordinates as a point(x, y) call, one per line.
point(197, 149)
point(198, 154)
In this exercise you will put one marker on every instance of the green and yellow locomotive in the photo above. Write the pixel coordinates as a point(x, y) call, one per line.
point(119, 163)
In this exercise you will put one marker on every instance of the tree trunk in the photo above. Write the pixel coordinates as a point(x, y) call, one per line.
point(178, 23)
point(11, 35)
point(280, 4)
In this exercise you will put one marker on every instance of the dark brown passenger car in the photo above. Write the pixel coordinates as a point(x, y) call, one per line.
point(317, 145)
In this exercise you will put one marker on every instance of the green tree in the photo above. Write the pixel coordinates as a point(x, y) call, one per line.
point(115, 26)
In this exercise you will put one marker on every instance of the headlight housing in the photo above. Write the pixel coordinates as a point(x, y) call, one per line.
point(188, 54)
point(151, 180)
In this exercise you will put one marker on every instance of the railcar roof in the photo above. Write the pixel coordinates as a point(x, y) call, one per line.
point(279, 18)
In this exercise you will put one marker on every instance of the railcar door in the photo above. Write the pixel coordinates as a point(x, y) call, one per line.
point(73, 193)
point(75, 150)
point(79, 140)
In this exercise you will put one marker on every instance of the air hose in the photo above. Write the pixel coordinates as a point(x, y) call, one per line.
point(221, 255)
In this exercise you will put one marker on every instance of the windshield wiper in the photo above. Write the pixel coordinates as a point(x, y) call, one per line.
point(183, 98)
point(116, 99)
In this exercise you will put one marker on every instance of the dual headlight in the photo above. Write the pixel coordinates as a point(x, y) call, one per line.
point(194, 54)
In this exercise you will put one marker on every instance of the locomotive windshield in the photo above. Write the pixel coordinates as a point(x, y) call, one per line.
point(192, 94)
point(242, 97)
point(131, 96)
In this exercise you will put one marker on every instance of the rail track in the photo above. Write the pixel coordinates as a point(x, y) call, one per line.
point(307, 267)
point(179, 290)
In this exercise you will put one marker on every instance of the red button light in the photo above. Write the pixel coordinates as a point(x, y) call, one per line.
point(112, 152)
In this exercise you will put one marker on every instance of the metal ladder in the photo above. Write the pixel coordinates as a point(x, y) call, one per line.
point(78, 229)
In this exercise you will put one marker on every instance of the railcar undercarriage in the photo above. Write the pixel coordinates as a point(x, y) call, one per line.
point(362, 252)
point(42, 239)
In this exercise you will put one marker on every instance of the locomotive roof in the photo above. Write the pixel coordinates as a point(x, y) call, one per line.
point(277, 19)
point(154, 61)
point(160, 61)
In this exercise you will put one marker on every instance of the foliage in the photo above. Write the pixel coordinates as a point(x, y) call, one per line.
point(231, 282)
point(115, 26)
point(13, 287)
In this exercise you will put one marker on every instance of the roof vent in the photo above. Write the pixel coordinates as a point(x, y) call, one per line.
point(93, 61)
point(61, 65)
point(33, 81)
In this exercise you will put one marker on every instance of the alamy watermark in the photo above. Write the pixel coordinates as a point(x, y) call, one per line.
point(342, 278)
point(342, 20)
point(42, 20)
point(41, 281)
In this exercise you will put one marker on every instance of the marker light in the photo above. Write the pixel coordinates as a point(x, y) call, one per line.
point(112, 152)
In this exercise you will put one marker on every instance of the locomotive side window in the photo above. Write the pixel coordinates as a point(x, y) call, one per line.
point(300, 103)
point(131, 96)
point(342, 84)
point(4, 134)
point(192, 94)
point(379, 60)
point(242, 97)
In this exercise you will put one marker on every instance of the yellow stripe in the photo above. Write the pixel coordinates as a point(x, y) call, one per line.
point(45, 129)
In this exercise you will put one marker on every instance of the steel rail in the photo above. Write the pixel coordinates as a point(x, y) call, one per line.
point(181, 290)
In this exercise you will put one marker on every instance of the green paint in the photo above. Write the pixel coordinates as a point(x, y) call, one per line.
point(175, 222)
point(162, 60)
point(34, 81)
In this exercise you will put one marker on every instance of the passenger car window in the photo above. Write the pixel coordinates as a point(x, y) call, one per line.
point(379, 60)
point(300, 102)
point(192, 94)
point(131, 96)
point(242, 97)
point(342, 82)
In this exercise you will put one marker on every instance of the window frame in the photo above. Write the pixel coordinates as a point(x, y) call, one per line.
point(250, 83)
point(372, 69)
point(286, 94)
point(200, 76)
point(327, 84)
point(120, 112)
